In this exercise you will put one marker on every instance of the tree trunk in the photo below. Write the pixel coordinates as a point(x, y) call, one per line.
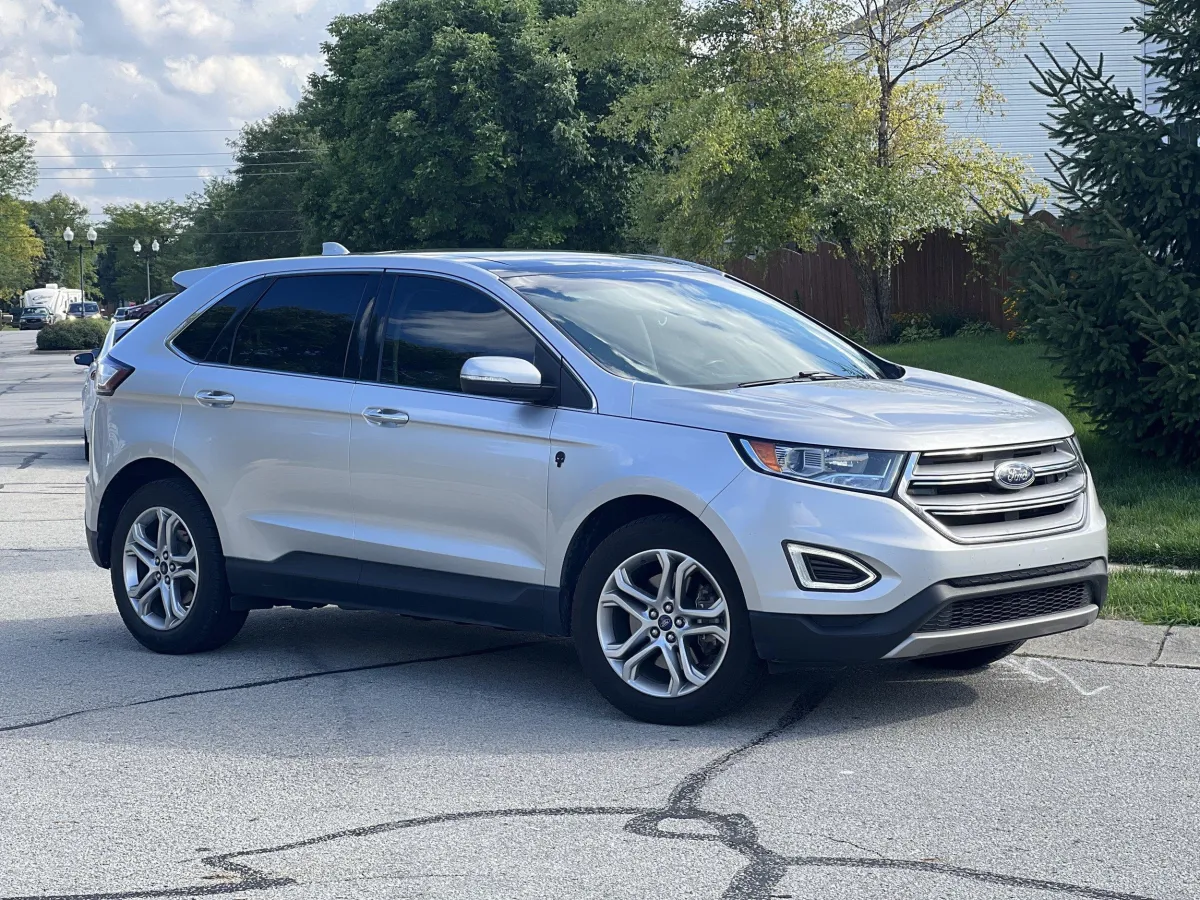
point(875, 285)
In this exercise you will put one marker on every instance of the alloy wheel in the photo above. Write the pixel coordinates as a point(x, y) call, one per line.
point(159, 567)
point(663, 623)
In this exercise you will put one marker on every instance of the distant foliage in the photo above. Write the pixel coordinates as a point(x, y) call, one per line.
point(1120, 305)
point(73, 334)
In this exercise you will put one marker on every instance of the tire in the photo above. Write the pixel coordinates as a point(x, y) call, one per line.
point(87, 449)
point(732, 672)
point(966, 660)
point(207, 622)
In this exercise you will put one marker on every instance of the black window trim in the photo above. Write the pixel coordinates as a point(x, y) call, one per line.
point(375, 342)
point(236, 321)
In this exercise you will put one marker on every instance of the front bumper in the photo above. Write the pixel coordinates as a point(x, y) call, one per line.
point(897, 634)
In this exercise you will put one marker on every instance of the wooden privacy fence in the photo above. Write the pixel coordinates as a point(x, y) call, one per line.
point(939, 274)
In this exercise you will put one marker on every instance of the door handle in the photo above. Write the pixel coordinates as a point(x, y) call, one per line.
point(388, 418)
point(215, 399)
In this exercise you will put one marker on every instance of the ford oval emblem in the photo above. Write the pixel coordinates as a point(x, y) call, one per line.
point(1013, 475)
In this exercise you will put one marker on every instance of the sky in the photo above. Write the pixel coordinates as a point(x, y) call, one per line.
point(112, 88)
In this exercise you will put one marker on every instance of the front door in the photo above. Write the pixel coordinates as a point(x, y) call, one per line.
point(449, 489)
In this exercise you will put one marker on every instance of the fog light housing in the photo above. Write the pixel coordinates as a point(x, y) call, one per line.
point(820, 569)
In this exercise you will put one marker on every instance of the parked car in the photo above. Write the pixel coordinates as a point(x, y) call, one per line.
point(36, 317)
point(121, 313)
point(91, 359)
point(687, 476)
point(144, 309)
point(52, 300)
point(84, 310)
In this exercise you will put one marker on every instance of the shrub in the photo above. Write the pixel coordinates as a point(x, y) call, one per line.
point(912, 327)
point(73, 334)
point(975, 329)
point(949, 321)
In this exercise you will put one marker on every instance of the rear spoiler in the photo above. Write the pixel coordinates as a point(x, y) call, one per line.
point(188, 277)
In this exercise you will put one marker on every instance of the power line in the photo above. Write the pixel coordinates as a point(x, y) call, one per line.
point(197, 153)
point(153, 177)
point(230, 211)
point(187, 231)
point(153, 131)
point(181, 166)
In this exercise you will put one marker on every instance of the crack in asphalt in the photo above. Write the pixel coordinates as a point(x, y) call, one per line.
point(30, 459)
point(756, 880)
point(266, 682)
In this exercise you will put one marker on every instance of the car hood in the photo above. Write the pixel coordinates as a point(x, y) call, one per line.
point(921, 411)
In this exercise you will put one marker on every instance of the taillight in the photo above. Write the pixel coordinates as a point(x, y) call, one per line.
point(110, 374)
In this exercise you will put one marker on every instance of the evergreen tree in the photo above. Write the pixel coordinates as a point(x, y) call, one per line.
point(1115, 292)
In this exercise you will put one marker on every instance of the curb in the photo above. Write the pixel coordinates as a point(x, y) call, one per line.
point(1123, 643)
point(36, 352)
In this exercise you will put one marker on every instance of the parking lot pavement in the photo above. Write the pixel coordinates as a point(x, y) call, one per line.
point(332, 754)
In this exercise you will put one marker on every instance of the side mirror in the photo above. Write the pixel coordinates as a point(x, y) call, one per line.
point(504, 376)
point(85, 359)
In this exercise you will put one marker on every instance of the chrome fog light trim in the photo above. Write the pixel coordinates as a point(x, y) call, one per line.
point(806, 565)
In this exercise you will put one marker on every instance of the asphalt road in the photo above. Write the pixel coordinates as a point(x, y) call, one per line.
point(332, 754)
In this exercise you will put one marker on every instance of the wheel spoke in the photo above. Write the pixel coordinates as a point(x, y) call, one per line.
point(699, 630)
point(715, 611)
point(636, 638)
point(141, 540)
point(185, 559)
point(671, 654)
point(681, 574)
point(168, 611)
point(178, 610)
point(144, 556)
point(690, 672)
point(139, 591)
point(629, 669)
point(629, 589)
point(612, 598)
point(664, 580)
point(162, 530)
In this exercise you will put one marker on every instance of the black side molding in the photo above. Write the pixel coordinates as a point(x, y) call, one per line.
point(311, 578)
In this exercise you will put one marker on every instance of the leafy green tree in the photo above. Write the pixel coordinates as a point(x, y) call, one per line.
point(1117, 295)
point(460, 124)
point(122, 273)
point(18, 170)
point(20, 247)
point(255, 213)
point(58, 264)
point(788, 122)
point(910, 176)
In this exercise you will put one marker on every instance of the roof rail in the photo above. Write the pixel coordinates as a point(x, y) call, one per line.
point(333, 248)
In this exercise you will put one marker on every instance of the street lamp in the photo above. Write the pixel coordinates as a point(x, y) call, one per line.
point(69, 236)
point(137, 249)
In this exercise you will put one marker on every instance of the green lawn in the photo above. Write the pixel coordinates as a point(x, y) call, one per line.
point(1153, 507)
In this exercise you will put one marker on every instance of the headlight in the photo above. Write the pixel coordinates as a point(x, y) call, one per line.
point(874, 471)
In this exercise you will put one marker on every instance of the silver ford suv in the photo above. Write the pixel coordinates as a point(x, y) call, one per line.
point(687, 476)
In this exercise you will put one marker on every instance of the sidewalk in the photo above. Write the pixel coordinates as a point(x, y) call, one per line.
point(1128, 643)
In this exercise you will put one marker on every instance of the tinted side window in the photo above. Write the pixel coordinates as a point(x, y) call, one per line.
point(302, 324)
point(434, 326)
point(197, 339)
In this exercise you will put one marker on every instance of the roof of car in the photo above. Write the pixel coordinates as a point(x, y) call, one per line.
point(504, 262)
point(512, 262)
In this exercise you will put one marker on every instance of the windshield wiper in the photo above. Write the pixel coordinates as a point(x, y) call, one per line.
point(799, 376)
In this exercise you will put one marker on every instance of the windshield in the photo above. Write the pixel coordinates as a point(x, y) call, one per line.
point(689, 330)
point(34, 310)
point(76, 309)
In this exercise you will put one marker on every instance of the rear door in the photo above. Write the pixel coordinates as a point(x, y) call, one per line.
point(266, 423)
point(450, 489)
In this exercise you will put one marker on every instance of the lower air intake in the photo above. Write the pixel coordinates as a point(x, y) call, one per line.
point(980, 611)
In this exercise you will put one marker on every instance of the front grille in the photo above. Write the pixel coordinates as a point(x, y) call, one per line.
point(980, 611)
point(1020, 574)
point(954, 491)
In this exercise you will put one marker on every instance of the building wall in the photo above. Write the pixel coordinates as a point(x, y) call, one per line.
point(1093, 27)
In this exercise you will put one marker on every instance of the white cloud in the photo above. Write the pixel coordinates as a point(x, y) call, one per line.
point(251, 86)
point(32, 20)
point(153, 19)
point(14, 88)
